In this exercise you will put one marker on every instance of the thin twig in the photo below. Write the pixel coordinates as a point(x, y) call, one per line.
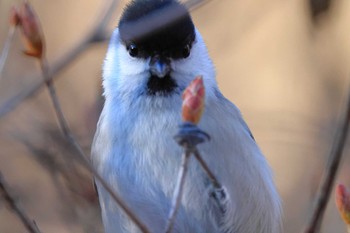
point(98, 33)
point(317, 7)
point(56, 104)
point(206, 168)
point(178, 190)
point(329, 175)
point(6, 49)
point(188, 137)
point(28, 223)
point(86, 163)
point(194, 4)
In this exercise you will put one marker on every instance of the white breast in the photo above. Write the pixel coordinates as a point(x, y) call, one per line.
point(141, 161)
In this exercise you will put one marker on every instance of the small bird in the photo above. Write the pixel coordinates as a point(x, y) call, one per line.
point(153, 55)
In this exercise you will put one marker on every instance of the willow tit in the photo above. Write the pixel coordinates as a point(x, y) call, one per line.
point(144, 75)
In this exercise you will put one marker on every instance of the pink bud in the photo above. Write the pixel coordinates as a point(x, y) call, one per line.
point(342, 200)
point(31, 31)
point(14, 18)
point(193, 101)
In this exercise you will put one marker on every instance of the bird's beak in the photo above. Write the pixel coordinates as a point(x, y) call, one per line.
point(159, 66)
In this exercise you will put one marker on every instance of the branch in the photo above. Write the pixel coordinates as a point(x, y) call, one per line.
point(178, 190)
point(96, 33)
point(86, 162)
point(188, 137)
point(330, 173)
point(207, 170)
point(317, 7)
point(195, 4)
point(29, 224)
point(6, 49)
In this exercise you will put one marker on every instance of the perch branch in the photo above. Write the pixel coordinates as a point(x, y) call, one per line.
point(207, 170)
point(71, 139)
point(97, 32)
point(29, 224)
point(6, 49)
point(317, 7)
point(178, 190)
point(188, 137)
point(330, 173)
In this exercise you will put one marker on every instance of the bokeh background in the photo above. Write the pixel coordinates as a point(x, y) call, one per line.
point(286, 66)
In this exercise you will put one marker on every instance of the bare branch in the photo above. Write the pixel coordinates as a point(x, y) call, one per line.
point(178, 190)
point(330, 173)
point(195, 4)
point(207, 170)
point(86, 163)
point(56, 104)
point(29, 224)
point(317, 7)
point(6, 49)
point(189, 136)
point(98, 33)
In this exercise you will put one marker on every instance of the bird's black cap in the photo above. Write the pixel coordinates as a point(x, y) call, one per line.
point(157, 26)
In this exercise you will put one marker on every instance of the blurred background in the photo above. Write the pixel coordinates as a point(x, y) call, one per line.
point(285, 64)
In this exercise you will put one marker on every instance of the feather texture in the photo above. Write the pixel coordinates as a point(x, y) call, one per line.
point(135, 152)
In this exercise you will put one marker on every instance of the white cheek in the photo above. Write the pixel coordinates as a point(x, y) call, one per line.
point(120, 70)
point(110, 66)
point(198, 63)
point(130, 65)
point(133, 71)
point(119, 62)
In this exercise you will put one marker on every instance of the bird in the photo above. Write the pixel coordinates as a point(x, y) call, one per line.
point(154, 53)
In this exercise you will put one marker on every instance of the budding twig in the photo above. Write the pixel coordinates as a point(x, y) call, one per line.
point(66, 59)
point(86, 163)
point(189, 136)
point(342, 201)
point(6, 49)
point(29, 224)
point(207, 170)
point(178, 190)
point(14, 20)
point(330, 173)
point(98, 33)
point(35, 46)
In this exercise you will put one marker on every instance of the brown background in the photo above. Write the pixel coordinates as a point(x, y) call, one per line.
point(287, 73)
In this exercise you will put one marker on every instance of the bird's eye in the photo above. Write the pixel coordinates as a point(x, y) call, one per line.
point(133, 50)
point(186, 51)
